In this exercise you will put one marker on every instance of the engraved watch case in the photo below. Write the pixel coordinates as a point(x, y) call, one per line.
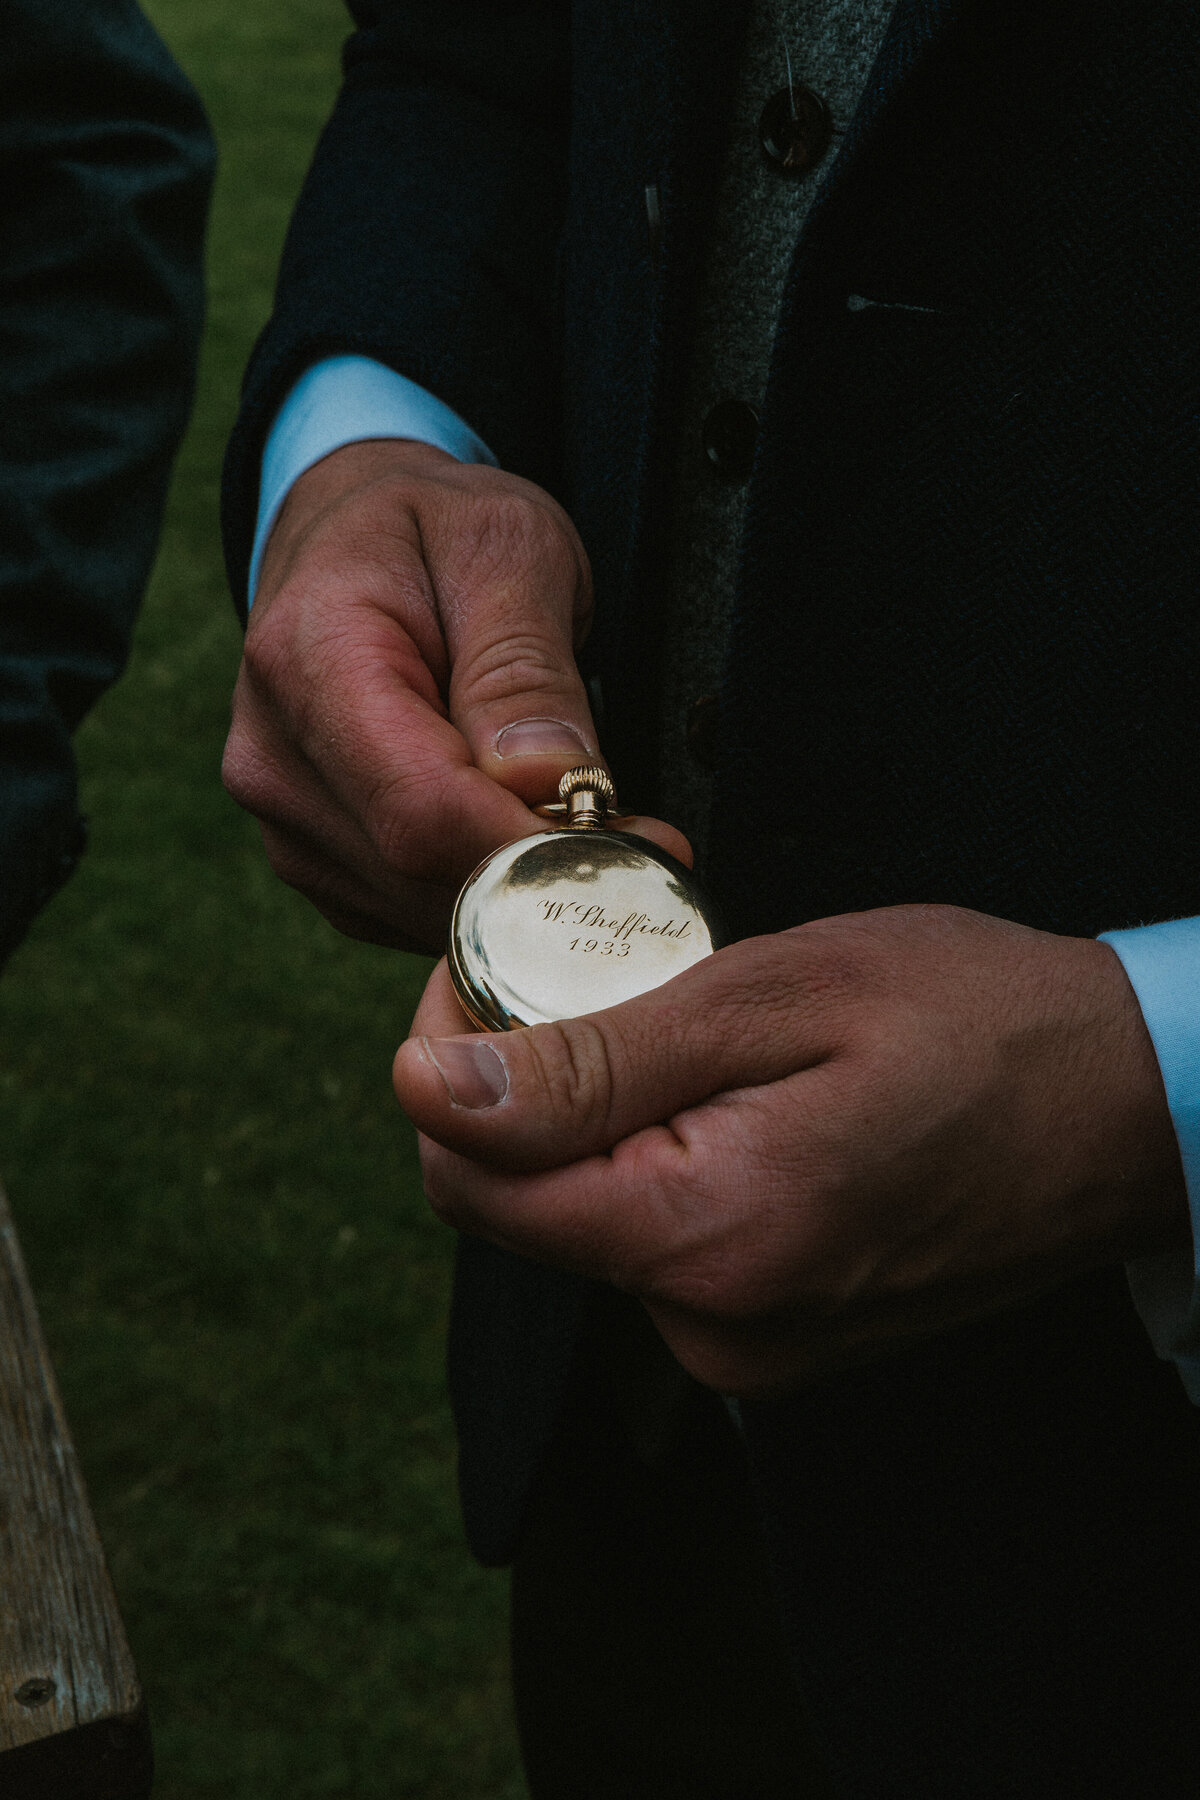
point(574, 918)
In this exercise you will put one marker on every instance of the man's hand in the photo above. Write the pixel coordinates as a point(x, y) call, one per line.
point(409, 688)
point(815, 1146)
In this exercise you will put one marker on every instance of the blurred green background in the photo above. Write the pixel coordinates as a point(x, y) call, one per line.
point(218, 1198)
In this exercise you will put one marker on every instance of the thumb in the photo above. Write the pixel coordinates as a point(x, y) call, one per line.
point(513, 609)
point(548, 1095)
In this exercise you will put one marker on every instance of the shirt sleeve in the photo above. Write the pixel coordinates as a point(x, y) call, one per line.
point(1163, 966)
point(345, 400)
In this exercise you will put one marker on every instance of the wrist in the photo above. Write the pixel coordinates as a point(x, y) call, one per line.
point(1138, 1134)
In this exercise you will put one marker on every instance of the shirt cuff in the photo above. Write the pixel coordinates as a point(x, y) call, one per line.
point(344, 400)
point(1163, 966)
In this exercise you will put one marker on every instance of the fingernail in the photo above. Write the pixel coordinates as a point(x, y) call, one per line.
point(474, 1073)
point(540, 737)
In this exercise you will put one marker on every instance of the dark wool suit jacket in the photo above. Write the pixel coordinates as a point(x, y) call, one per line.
point(966, 648)
point(106, 162)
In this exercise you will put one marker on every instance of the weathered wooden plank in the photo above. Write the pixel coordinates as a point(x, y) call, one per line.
point(64, 1658)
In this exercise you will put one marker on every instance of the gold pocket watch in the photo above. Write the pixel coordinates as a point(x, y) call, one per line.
point(575, 918)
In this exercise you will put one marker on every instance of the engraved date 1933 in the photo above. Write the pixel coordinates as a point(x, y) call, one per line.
point(618, 929)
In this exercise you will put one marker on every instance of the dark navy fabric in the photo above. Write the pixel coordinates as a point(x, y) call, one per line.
point(524, 1321)
point(106, 163)
point(969, 638)
point(965, 650)
point(989, 1553)
point(427, 233)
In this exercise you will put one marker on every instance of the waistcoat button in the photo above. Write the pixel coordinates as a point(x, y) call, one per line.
point(729, 433)
point(795, 129)
point(703, 725)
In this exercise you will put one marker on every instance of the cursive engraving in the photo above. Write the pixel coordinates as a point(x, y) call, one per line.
point(579, 918)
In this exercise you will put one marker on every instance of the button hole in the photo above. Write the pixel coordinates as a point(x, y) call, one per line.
point(862, 303)
point(653, 220)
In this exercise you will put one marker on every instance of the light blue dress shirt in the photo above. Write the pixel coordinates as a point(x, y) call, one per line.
point(340, 401)
point(346, 399)
point(1163, 966)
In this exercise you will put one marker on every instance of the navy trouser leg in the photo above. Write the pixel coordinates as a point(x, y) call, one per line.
point(648, 1659)
point(986, 1551)
point(988, 1555)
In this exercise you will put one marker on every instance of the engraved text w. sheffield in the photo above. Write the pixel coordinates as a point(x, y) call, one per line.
point(595, 918)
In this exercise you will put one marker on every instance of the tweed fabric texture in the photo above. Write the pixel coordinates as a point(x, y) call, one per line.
point(829, 46)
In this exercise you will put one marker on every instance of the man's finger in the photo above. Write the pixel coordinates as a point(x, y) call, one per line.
point(547, 1096)
point(406, 915)
point(514, 596)
point(694, 1213)
point(608, 1218)
point(395, 768)
point(439, 1014)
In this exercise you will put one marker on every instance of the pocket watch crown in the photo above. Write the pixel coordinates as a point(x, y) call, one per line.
point(589, 779)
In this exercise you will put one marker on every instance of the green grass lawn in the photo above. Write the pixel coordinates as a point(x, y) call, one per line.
point(218, 1198)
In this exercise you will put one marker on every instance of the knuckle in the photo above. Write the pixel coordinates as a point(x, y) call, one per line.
point(303, 874)
point(764, 989)
point(512, 531)
point(268, 652)
point(710, 1357)
point(518, 664)
point(388, 819)
point(837, 967)
point(250, 776)
point(714, 1366)
point(413, 827)
point(239, 770)
point(722, 1287)
point(439, 1190)
point(571, 1064)
point(503, 539)
point(742, 1243)
point(294, 863)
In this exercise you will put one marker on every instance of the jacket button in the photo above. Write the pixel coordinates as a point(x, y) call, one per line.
point(795, 129)
point(703, 730)
point(730, 432)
